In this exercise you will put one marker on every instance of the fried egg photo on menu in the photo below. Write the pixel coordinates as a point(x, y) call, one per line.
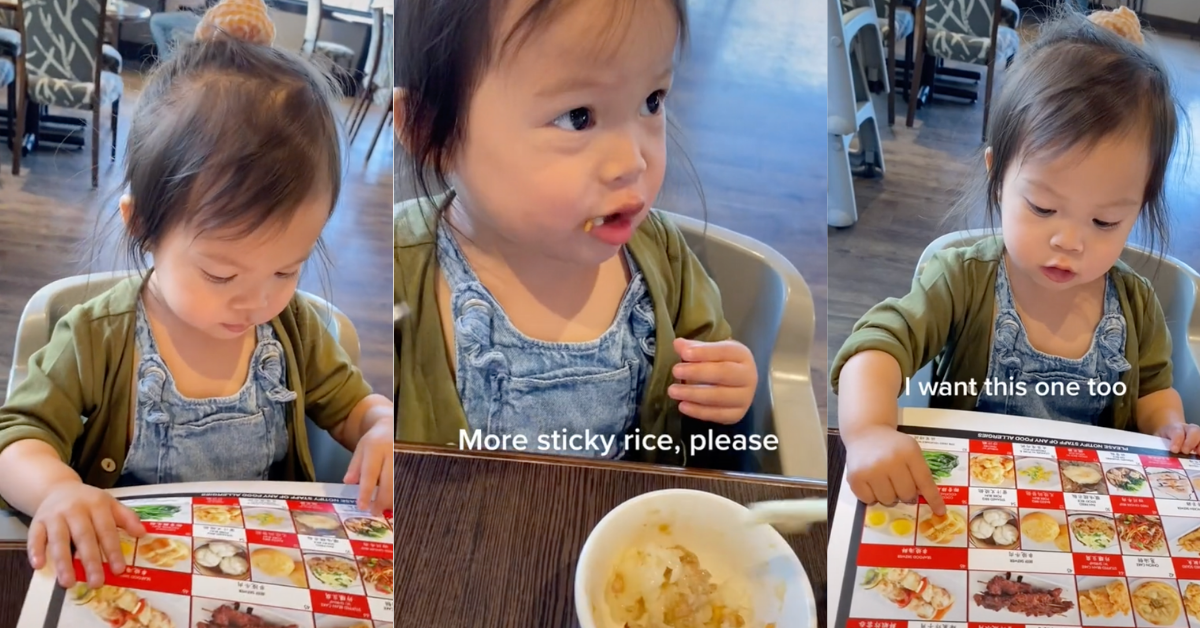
point(890, 525)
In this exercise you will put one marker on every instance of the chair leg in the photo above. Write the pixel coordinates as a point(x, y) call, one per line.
point(361, 116)
point(987, 95)
point(95, 144)
point(116, 106)
point(918, 65)
point(12, 116)
point(382, 121)
point(21, 105)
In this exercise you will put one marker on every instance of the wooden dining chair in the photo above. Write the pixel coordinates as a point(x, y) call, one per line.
point(382, 122)
point(11, 72)
point(966, 31)
point(341, 56)
point(381, 33)
point(65, 64)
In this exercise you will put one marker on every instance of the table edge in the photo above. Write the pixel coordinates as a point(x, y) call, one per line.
point(612, 465)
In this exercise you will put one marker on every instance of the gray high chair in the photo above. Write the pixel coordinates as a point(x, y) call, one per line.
point(770, 309)
point(53, 301)
point(1175, 284)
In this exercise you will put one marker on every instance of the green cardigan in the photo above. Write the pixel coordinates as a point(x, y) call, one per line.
point(78, 394)
point(687, 304)
point(949, 315)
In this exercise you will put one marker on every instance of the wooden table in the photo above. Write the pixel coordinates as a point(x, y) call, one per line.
point(15, 571)
point(492, 540)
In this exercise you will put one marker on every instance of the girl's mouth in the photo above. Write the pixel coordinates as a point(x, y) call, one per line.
point(1058, 274)
point(616, 228)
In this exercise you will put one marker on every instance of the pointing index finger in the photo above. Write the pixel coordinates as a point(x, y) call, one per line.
point(928, 488)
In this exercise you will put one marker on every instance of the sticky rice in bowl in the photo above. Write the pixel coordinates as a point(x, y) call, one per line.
point(689, 559)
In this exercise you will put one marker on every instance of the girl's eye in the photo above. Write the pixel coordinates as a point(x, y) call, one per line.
point(286, 275)
point(577, 119)
point(1105, 225)
point(654, 103)
point(1039, 210)
point(215, 279)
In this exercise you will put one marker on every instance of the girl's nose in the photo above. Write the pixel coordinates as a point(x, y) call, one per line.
point(624, 161)
point(1067, 239)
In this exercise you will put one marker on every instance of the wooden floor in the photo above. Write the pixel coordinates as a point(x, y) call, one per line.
point(900, 214)
point(749, 100)
point(48, 217)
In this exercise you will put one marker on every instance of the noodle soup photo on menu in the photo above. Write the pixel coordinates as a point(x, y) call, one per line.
point(911, 595)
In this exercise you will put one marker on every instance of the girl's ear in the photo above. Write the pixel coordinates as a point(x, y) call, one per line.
point(987, 158)
point(126, 205)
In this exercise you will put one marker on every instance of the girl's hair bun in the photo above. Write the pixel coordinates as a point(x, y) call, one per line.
point(1121, 21)
point(246, 20)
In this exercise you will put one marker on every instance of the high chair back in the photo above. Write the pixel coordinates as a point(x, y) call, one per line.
point(1176, 284)
point(770, 309)
point(53, 301)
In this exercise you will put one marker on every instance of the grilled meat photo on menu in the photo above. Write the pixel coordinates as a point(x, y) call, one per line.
point(120, 607)
point(909, 590)
point(1003, 593)
point(231, 616)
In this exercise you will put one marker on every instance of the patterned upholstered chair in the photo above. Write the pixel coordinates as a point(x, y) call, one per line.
point(965, 31)
point(341, 56)
point(66, 66)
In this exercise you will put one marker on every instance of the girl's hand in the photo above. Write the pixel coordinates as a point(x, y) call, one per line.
point(89, 517)
point(718, 380)
point(885, 466)
point(1181, 438)
point(371, 467)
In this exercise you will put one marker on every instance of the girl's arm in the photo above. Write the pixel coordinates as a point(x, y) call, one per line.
point(866, 398)
point(1158, 410)
point(41, 471)
point(366, 415)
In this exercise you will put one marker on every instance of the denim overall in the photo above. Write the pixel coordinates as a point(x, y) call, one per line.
point(510, 384)
point(1014, 359)
point(235, 438)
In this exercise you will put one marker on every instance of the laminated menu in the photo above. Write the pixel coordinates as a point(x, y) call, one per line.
point(1047, 524)
point(224, 555)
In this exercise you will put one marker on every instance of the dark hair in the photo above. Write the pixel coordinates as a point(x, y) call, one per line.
point(1075, 86)
point(442, 49)
point(229, 135)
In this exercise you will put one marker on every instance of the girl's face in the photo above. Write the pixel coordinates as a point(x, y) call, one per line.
point(570, 127)
point(224, 286)
point(1066, 219)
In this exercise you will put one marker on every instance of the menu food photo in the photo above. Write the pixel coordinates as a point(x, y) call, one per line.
point(226, 555)
point(1047, 524)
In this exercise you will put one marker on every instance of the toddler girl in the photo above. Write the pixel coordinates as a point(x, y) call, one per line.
point(204, 368)
point(1080, 140)
point(546, 297)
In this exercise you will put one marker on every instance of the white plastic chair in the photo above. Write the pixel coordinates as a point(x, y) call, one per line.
point(1176, 284)
point(53, 301)
point(770, 309)
point(851, 111)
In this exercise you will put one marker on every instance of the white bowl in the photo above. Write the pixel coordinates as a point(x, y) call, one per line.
point(717, 531)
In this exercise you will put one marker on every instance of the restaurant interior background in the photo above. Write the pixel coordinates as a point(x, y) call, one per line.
point(901, 212)
point(49, 213)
